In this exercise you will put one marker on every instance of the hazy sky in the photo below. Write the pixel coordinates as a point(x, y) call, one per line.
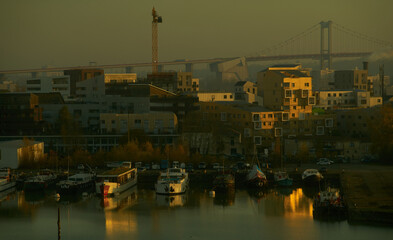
point(35, 33)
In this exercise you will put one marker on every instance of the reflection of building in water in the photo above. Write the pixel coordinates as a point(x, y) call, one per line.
point(118, 220)
point(118, 223)
point(171, 201)
point(124, 200)
point(293, 205)
point(13, 205)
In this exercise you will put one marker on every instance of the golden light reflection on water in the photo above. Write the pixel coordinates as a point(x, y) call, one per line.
point(290, 205)
point(120, 222)
point(297, 205)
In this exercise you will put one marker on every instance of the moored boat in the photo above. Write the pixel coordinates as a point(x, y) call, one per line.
point(329, 205)
point(6, 181)
point(256, 178)
point(282, 179)
point(115, 181)
point(45, 179)
point(311, 177)
point(173, 181)
point(76, 184)
point(224, 181)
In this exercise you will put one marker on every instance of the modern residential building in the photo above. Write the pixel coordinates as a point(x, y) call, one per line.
point(8, 86)
point(375, 85)
point(247, 91)
point(150, 123)
point(175, 82)
point(352, 79)
point(286, 88)
point(322, 80)
point(20, 114)
point(77, 75)
point(120, 78)
point(60, 84)
point(339, 99)
point(214, 96)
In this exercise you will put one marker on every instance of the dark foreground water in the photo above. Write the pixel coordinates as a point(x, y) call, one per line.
point(140, 214)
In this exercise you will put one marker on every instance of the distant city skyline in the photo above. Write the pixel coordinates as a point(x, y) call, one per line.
point(71, 33)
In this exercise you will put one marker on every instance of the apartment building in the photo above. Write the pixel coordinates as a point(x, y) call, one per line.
point(60, 84)
point(352, 79)
point(286, 88)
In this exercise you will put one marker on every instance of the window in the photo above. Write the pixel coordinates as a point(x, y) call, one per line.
point(320, 130)
point(286, 84)
point(307, 84)
point(257, 140)
point(329, 122)
point(328, 94)
point(257, 125)
point(225, 96)
point(288, 93)
point(256, 117)
point(223, 116)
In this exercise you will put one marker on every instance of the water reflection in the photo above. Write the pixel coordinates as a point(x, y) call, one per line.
point(171, 201)
point(141, 214)
point(279, 203)
point(123, 200)
point(226, 198)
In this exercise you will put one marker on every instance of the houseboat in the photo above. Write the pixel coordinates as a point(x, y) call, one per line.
point(44, 179)
point(76, 184)
point(6, 181)
point(115, 181)
point(172, 181)
point(224, 182)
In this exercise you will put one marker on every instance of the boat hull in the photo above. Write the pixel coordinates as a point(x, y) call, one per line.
point(285, 182)
point(224, 183)
point(171, 188)
point(65, 189)
point(312, 180)
point(112, 188)
point(7, 185)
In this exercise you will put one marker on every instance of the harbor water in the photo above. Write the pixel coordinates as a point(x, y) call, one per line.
point(139, 213)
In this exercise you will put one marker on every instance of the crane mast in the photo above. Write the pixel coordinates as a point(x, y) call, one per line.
point(156, 19)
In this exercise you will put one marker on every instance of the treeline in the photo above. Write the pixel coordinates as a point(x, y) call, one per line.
point(131, 152)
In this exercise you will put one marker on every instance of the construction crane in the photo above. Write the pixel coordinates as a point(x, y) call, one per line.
point(156, 19)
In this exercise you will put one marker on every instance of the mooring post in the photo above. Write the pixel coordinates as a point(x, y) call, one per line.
point(58, 224)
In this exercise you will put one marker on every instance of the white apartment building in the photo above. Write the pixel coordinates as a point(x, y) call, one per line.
point(59, 84)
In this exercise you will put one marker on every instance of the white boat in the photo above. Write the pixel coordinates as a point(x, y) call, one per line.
point(311, 176)
point(6, 179)
point(76, 184)
point(115, 181)
point(173, 181)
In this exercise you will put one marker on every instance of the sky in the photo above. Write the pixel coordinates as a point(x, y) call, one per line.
point(59, 33)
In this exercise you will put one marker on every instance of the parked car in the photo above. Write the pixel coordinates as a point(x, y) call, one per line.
point(175, 164)
point(324, 161)
point(182, 165)
point(236, 156)
point(155, 166)
point(148, 166)
point(81, 166)
point(202, 165)
point(189, 167)
point(216, 165)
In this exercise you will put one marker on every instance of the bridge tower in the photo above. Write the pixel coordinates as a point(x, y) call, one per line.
point(326, 51)
point(154, 42)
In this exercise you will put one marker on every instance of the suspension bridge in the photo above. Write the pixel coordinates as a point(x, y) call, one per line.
point(322, 41)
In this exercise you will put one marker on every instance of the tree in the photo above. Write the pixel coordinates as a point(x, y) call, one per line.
point(69, 129)
point(382, 133)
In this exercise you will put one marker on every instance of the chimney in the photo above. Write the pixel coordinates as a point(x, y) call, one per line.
point(365, 65)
